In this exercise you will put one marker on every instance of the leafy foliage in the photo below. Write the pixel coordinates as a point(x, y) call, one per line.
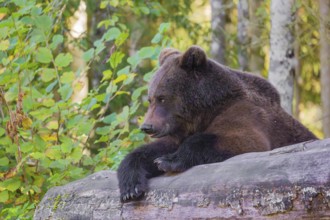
point(46, 139)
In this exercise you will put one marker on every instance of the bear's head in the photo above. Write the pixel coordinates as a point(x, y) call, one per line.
point(184, 93)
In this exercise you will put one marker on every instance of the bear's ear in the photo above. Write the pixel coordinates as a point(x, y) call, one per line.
point(193, 58)
point(167, 52)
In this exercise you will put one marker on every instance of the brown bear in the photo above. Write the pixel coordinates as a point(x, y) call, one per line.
point(203, 112)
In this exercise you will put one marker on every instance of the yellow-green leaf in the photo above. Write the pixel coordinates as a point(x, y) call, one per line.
point(4, 45)
point(67, 77)
point(44, 55)
point(88, 55)
point(47, 74)
point(63, 60)
point(4, 196)
point(106, 75)
point(43, 23)
point(26, 123)
point(120, 78)
point(12, 184)
point(4, 161)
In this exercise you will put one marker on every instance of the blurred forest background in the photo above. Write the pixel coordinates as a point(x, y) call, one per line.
point(73, 76)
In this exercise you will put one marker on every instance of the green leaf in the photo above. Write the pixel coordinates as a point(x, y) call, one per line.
point(63, 60)
point(76, 154)
point(44, 55)
point(42, 113)
point(48, 102)
point(103, 130)
point(106, 75)
point(38, 36)
point(87, 161)
point(145, 10)
point(99, 46)
point(122, 93)
point(4, 196)
point(84, 128)
point(120, 79)
point(137, 93)
point(147, 77)
point(123, 116)
point(146, 52)
point(4, 161)
point(38, 155)
point(57, 39)
point(66, 91)
point(111, 34)
point(43, 23)
point(114, 3)
point(124, 70)
point(2, 131)
point(12, 184)
point(103, 4)
point(88, 55)
point(137, 137)
point(130, 78)
point(121, 38)
point(157, 38)
point(59, 164)
point(134, 107)
point(91, 105)
point(116, 58)
point(110, 118)
point(67, 77)
point(47, 74)
point(164, 27)
point(66, 147)
point(28, 103)
point(26, 147)
point(134, 60)
point(51, 86)
point(53, 152)
point(4, 45)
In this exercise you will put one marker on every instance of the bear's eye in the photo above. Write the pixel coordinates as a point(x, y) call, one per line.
point(161, 99)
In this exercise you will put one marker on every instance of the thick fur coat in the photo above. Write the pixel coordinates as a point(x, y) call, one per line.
point(203, 112)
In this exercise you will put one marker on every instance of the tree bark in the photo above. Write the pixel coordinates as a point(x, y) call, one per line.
point(297, 76)
point(282, 58)
point(242, 33)
point(286, 183)
point(78, 28)
point(325, 64)
point(256, 61)
point(218, 30)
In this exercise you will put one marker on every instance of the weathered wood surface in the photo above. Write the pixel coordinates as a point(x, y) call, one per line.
point(287, 183)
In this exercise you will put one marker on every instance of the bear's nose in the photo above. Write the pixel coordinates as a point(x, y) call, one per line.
point(147, 128)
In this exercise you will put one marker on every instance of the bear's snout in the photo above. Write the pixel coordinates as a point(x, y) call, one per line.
point(147, 128)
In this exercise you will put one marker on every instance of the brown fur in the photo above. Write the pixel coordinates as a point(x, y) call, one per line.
point(204, 112)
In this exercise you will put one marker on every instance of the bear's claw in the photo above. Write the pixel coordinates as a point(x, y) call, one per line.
point(131, 196)
point(133, 189)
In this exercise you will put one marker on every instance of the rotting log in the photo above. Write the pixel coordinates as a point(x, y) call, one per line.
point(292, 182)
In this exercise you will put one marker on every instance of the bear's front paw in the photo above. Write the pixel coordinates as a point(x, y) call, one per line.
point(169, 163)
point(132, 189)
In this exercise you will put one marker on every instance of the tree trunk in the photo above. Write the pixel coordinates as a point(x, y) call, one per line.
point(256, 61)
point(282, 58)
point(325, 64)
point(297, 76)
point(286, 183)
point(242, 33)
point(218, 30)
point(78, 28)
